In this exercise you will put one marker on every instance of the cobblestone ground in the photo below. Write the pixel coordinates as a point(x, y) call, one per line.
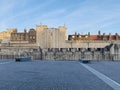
point(49, 75)
point(108, 68)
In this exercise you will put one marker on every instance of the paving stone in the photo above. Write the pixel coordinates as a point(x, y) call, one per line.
point(48, 75)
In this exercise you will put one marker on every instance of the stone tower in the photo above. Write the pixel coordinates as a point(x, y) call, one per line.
point(50, 37)
point(40, 34)
point(62, 36)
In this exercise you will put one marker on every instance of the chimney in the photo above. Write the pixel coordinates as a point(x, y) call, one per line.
point(116, 36)
point(99, 33)
point(110, 36)
point(88, 33)
point(104, 38)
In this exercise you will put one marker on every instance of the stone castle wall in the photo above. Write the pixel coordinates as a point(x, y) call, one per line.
point(6, 34)
point(50, 37)
point(52, 44)
point(111, 52)
point(56, 38)
point(86, 44)
point(75, 54)
point(45, 37)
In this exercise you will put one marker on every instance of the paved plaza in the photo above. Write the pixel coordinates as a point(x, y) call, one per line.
point(57, 75)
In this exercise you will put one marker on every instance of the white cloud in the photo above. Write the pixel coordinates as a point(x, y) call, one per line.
point(87, 17)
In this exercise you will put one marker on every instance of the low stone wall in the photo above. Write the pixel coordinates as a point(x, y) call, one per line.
point(72, 56)
point(111, 52)
point(65, 56)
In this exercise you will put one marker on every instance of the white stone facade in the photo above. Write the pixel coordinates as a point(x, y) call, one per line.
point(57, 38)
point(50, 37)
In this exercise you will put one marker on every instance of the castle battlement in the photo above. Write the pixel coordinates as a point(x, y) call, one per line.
point(46, 37)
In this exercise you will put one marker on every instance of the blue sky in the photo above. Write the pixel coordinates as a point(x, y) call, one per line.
point(81, 16)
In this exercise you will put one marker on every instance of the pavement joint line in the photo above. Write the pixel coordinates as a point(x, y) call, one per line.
point(6, 62)
point(107, 80)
